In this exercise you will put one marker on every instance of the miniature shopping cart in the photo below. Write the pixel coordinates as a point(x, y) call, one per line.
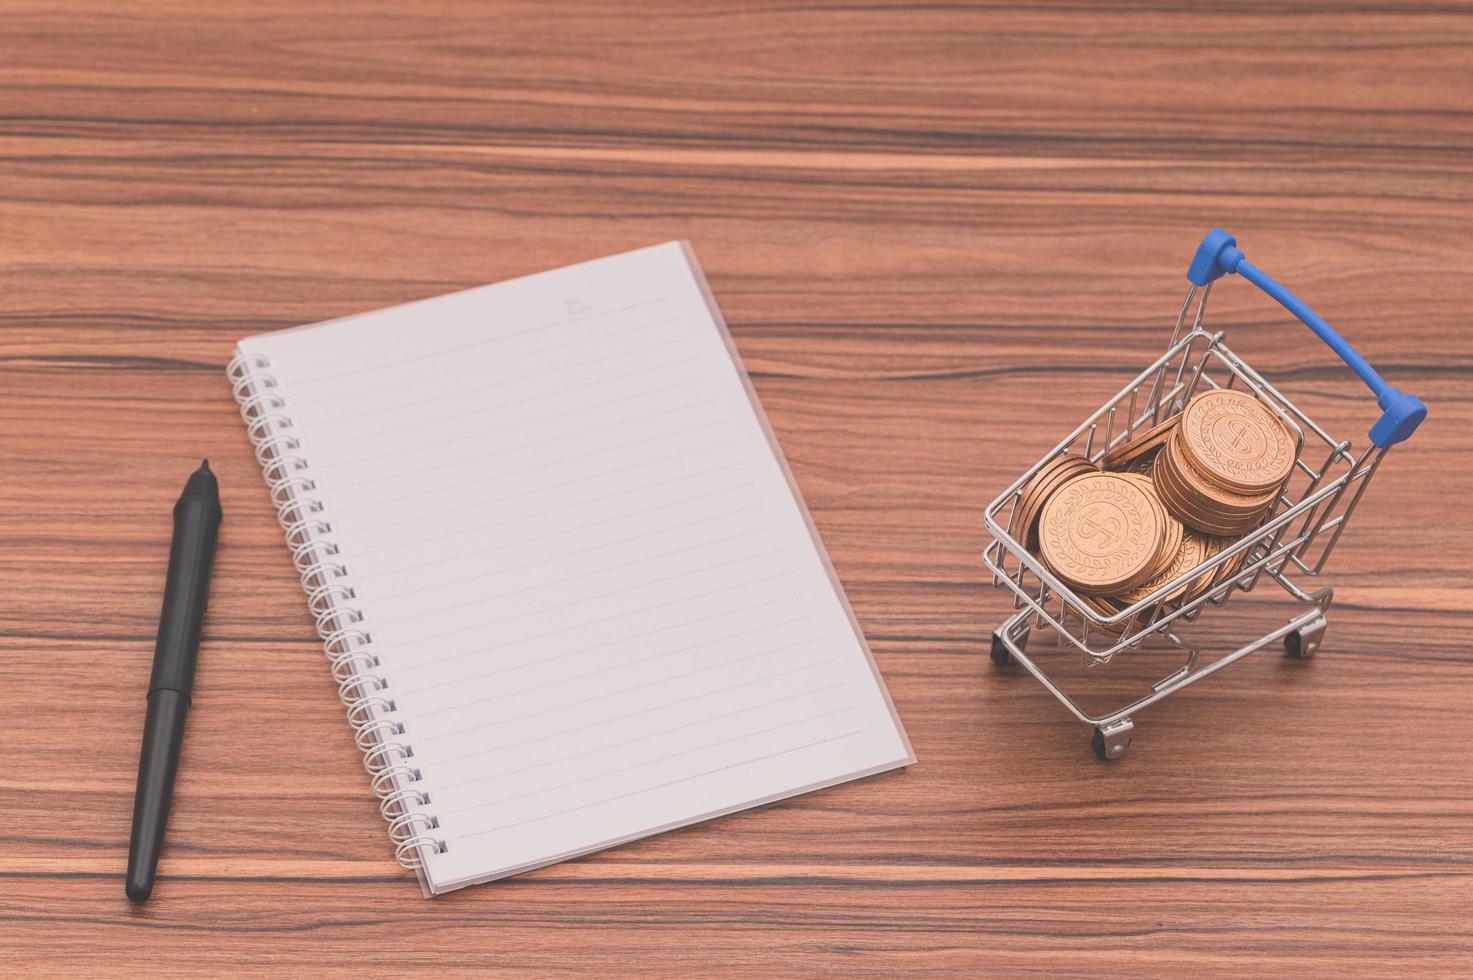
point(1290, 548)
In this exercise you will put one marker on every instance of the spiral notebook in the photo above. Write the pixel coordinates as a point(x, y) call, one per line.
point(562, 574)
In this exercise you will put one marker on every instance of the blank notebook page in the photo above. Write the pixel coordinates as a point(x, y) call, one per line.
point(594, 597)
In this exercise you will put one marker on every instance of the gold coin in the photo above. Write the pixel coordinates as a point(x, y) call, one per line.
point(1143, 443)
point(1063, 476)
point(1049, 476)
point(1164, 521)
point(1171, 539)
point(1191, 552)
point(1203, 582)
point(1099, 532)
point(1139, 464)
point(1221, 573)
point(1025, 512)
point(1236, 565)
point(1235, 443)
point(1107, 608)
point(1176, 531)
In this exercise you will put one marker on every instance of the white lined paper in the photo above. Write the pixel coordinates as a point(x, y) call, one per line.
point(572, 541)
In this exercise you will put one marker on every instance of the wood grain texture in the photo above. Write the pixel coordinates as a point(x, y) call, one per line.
point(941, 233)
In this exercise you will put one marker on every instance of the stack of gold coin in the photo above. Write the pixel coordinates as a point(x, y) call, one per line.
point(1223, 463)
point(1171, 497)
point(1049, 478)
point(1105, 533)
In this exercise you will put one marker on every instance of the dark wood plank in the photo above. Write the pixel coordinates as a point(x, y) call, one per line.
point(941, 233)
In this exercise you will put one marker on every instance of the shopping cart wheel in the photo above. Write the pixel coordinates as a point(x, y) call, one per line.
point(1112, 741)
point(1304, 642)
point(1000, 654)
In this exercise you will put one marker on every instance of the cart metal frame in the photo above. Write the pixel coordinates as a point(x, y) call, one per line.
point(1291, 547)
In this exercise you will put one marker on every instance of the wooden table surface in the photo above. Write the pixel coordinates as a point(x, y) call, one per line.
point(942, 234)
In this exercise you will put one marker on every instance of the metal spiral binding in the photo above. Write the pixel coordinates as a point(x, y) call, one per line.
point(346, 639)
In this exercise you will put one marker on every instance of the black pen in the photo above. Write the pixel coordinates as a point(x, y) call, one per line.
point(191, 556)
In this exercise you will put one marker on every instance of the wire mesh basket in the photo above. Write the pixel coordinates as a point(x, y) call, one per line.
point(1290, 548)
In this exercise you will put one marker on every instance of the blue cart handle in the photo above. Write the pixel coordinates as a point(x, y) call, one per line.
point(1400, 413)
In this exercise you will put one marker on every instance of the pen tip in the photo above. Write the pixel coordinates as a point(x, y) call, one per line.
point(204, 465)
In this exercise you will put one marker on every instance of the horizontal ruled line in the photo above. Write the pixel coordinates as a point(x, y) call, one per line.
point(614, 745)
point(650, 762)
point(485, 598)
point(430, 422)
point(664, 785)
point(438, 516)
point(458, 441)
point(521, 542)
point(542, 489)
point(418, 543)
point(479, 370)
point(473, 345)
point(601, 595)
point(460, 460)
point(608, 643)
point(605, 619)
point(606, 694)
point(631, 663)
